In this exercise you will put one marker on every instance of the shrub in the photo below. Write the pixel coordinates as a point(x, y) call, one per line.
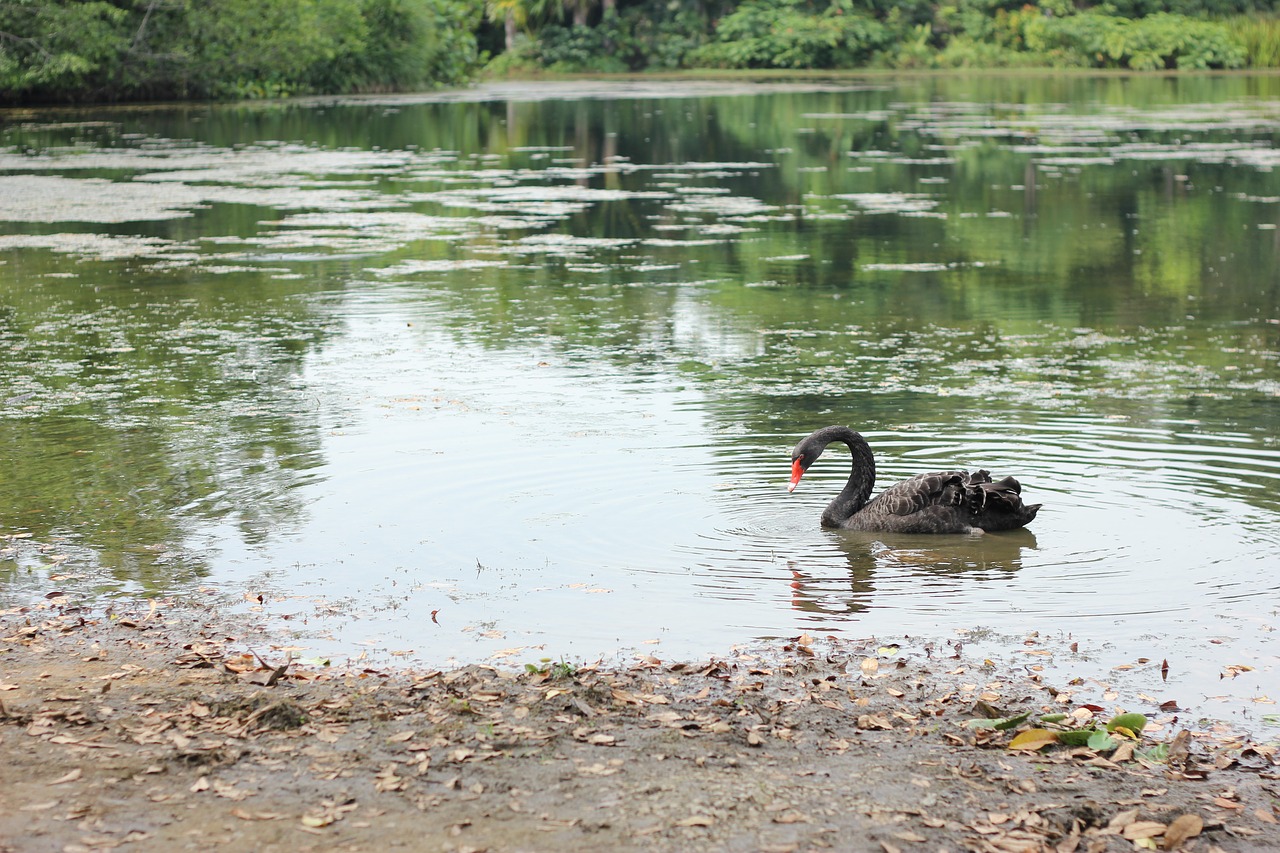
point(1159, 41)
point(579, 49)
point(788, 34)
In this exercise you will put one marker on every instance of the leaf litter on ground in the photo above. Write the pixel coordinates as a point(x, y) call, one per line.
point(136, 719)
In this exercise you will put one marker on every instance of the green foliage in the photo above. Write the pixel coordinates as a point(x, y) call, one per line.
point(1260, 37)
point(1190, 8)
point(132, 49)
point(579, 49)
point(59, 50)
point(57, 47)
point(1147, 44)
point(552, 670)
point(659, 35)
point(248, 48)
point(793, 34)
point(407, 44)
point(966, 52)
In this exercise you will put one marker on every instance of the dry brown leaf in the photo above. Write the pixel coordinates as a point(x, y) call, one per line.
point(1143, 829)
point(873, 721)
point(598, 770)
point(1184, 826)
point(69, 777)
point(229, 791)
point(1121, 820)
point(330, 733)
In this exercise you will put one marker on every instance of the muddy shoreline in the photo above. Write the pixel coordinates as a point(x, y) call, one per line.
point(168, 727)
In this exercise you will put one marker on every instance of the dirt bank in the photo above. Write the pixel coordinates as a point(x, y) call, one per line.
point(154, 728)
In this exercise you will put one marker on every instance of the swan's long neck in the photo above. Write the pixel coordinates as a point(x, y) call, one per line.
point(861, 478)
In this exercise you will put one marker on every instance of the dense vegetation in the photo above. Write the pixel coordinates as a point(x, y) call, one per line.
point(839, 34)
point(133, 49)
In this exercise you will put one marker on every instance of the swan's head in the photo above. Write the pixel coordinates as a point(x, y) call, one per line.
point(810, 448)
point(805, 454)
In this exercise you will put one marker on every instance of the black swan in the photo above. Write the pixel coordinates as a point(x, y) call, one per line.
point(939, 502)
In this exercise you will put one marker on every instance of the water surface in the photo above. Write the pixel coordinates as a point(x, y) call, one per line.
point(531, 359)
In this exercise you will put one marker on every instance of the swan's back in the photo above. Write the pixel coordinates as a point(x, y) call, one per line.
point(946, 502)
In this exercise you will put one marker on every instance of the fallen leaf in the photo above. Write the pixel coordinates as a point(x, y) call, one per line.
point(70, 777)
point(229, 791)
point(1183, 827)
point(873, 721)
point(1143, 829)
point(1121, 819)
point(1033, 739)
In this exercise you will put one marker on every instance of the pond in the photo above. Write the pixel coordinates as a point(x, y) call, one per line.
point(513, 372)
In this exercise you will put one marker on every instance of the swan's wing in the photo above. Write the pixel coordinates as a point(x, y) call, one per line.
point(1003, 494)
point(938, 488)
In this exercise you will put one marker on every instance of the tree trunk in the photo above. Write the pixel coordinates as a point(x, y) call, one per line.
point(510, 26)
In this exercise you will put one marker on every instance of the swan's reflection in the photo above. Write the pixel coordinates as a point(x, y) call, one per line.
point(817, 591)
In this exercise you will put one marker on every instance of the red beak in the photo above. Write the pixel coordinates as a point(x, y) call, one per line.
point(797, 471)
